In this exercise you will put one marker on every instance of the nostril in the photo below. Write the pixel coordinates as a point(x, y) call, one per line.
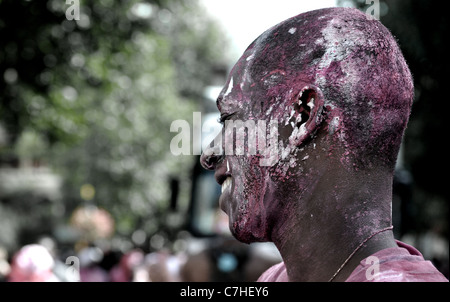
point(206, 162)
point(209, 162)
point(211, 156)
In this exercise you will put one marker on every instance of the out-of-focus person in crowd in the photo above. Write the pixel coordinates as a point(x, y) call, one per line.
point(164, 267)
point(32, 263)
point(124, 271)
point(197, 268)
point(5, 268)
point(90, 270)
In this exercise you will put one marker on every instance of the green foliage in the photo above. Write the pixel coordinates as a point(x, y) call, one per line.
point(101, 92)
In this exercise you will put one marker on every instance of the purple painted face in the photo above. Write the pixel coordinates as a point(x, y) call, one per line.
point(244, 181)
point(264, 85)
point(249, 188)
point(336, 53)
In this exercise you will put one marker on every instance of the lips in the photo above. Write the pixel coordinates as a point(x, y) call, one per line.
point(225, 180)
point(225, 197)
point(222, 172)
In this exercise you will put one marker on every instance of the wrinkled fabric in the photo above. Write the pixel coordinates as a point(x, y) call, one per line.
point(399, 264)
point(275, 273)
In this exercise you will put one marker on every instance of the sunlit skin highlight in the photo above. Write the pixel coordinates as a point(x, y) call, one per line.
point(341, 92)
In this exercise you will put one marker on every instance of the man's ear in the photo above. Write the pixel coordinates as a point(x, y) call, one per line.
point(308, 114)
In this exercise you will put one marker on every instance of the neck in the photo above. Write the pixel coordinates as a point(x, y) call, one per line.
point(330, 221)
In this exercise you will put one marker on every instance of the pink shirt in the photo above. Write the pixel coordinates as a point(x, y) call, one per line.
point(399, 264)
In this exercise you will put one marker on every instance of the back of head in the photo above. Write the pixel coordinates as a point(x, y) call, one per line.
point(358, 66)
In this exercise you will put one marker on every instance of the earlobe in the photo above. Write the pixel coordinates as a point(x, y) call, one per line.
point(308, 113)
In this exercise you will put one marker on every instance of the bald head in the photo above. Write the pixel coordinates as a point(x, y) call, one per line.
point(354, 61)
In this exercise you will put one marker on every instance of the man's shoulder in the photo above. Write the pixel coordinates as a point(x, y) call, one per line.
point(399, 264)
point(275, 273)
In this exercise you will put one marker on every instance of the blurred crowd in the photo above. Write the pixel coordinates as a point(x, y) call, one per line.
point(219, 258)
point(212, 259)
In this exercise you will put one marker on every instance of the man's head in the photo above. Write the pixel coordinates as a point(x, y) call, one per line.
point(340, 91)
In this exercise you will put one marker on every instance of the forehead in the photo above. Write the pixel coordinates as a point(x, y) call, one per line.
point(251, 88)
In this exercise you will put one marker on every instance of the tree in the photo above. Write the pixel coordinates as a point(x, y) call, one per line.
point(102, 92)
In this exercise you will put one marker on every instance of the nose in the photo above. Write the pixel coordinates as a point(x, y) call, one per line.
point(210, 157)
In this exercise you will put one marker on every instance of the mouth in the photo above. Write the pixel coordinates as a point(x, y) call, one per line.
point(224, 198)
point(223, 174)
point(225, 180)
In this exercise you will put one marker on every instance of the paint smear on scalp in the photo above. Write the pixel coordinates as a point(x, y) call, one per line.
point(363, 72)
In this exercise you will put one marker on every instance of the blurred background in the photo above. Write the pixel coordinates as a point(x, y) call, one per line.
point(89, 189)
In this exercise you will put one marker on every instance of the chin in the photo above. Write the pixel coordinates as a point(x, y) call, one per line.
point(249, 228)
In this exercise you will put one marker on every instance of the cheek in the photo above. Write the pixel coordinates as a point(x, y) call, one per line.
point(248, 213)
point(249, 184)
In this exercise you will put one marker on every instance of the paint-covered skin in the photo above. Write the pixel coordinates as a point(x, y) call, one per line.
point(341, 92)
